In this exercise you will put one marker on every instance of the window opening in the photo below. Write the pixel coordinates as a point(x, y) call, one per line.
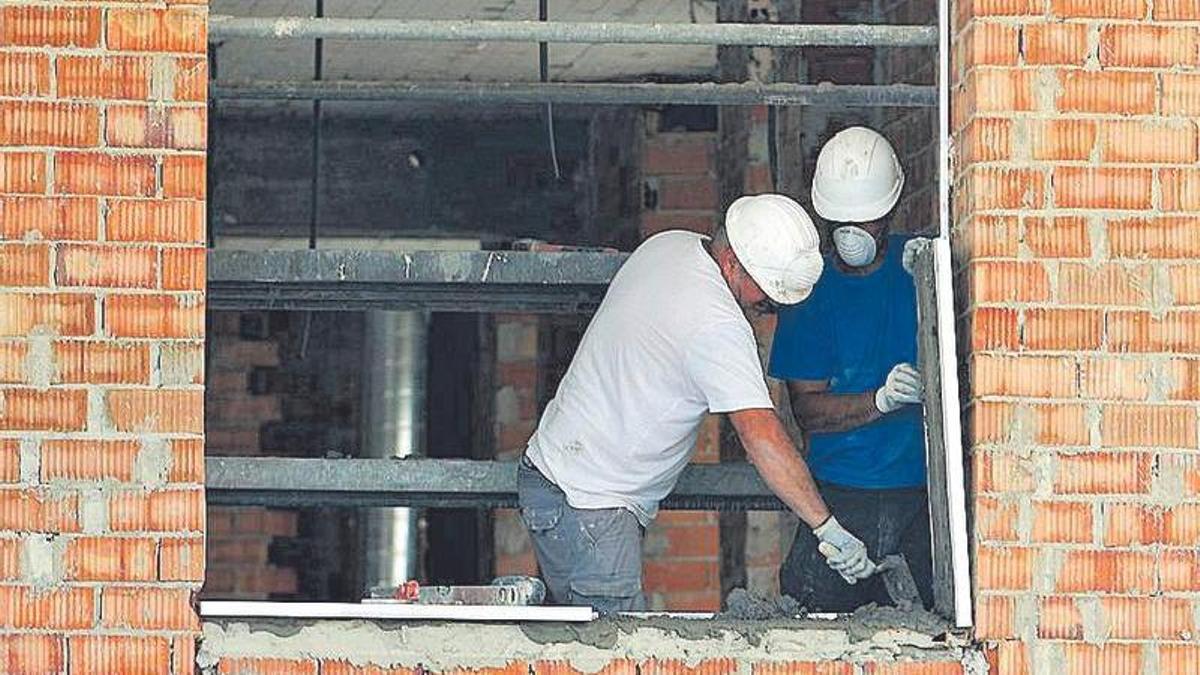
point(416, 197)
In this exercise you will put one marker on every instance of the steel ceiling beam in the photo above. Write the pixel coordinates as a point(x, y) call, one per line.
point(748, 34)
point(704, 93)
point(461, 281)
point(291, 482)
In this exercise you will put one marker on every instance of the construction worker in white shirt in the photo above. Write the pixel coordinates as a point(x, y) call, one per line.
point(669, 344)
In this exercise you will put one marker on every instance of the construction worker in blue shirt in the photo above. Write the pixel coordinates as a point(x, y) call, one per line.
point(848, 356)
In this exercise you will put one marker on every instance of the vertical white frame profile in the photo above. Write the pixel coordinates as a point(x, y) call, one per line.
point(947, 340)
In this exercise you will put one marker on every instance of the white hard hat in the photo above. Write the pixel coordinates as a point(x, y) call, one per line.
point(774, 239)
point(858, 177)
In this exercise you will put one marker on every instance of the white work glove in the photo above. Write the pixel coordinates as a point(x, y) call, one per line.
point(911, 248)
point(902, 387)
point(844, 552)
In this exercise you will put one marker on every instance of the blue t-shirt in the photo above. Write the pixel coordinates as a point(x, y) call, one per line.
point(851, 331)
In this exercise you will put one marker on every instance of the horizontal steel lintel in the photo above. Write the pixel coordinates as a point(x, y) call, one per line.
point(748, 34)
point(567, 93)
point(435, 298)
point(463, 281)
point(291, 482)
point(488, 268)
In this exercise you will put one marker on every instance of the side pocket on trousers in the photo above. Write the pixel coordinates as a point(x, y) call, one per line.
point(541, 518)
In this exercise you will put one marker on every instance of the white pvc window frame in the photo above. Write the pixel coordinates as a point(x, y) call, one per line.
point(947, 341)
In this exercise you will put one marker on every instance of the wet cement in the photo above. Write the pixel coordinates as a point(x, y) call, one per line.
point(749, 617)
point(866, 622)
point(605, 632)
point(742, 604)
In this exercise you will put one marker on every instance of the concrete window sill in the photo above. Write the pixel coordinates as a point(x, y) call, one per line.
point(880, 634)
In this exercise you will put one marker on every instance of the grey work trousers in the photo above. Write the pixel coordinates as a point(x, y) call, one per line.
point(587, 556)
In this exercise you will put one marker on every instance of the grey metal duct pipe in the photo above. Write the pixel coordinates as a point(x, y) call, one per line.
point(394, 368)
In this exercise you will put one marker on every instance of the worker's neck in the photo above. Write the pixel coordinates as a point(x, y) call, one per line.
point(718, 253)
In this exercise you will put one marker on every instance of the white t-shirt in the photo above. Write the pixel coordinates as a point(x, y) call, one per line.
point(667, 345)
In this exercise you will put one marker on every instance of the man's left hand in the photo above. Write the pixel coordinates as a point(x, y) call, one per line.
point(911, 248)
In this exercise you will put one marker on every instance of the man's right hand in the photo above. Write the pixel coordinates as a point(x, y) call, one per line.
point(902, 387)
point(844, 552)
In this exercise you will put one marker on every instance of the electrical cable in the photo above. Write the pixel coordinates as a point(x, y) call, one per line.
point(544, 74)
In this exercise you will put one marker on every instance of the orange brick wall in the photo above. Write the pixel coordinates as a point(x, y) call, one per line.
point(1075, 177)
point(102, 131)
point(1076, 254)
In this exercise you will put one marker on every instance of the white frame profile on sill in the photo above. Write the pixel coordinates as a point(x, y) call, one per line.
point(267, 609)
point(378, 610)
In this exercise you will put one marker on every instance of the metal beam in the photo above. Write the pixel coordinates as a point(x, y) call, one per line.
point(280, 482)
point(462, 281)
point(749, 34)
point(704, 93)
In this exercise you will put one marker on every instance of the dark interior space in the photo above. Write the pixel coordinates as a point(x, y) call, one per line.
point(458, 542)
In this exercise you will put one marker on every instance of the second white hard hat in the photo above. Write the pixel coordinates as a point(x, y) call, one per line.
point(858, 177)
point(775, 240)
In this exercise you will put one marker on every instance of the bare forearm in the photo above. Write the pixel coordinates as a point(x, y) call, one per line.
point(770, 449)
point(824, 412)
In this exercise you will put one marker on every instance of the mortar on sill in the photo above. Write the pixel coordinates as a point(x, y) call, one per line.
point(872, 634)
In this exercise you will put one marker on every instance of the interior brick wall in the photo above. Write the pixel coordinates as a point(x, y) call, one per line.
point(515, 416)
point(679, 181)
point(239, 537)
point(912, 131)
point(1074, 200)
point(102, 133)
point(681, 548)
point(682, 568)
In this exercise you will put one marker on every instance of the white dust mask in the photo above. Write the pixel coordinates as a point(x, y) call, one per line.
point(855, 246)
